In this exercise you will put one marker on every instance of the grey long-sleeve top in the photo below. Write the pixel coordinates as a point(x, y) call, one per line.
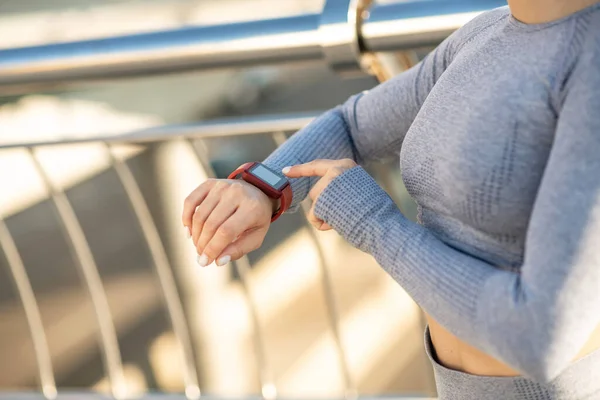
point(498, 133)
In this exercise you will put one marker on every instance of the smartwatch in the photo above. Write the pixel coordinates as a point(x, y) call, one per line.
point(274, 184)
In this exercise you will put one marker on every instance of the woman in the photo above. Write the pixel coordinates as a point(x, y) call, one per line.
point(498, 132)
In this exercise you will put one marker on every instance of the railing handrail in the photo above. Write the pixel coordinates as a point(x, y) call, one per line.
point(307, 37)
point(82, 395)
point(222, 127)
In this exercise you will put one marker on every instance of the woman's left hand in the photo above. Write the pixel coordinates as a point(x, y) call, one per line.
point(328, 170)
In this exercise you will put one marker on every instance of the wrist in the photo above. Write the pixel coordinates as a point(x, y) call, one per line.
point(272, 183)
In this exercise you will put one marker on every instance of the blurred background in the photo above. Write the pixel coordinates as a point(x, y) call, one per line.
point(99, 290)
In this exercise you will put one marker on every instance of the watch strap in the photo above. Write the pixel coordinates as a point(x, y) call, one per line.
point(285, 200)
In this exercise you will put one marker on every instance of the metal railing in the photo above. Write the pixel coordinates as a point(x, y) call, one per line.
point(277, 128)
point(75, 395)
point(85, 260)
point(342, 35)
point(346, 30)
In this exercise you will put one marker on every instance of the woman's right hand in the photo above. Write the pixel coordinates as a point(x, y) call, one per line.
point(226, 219)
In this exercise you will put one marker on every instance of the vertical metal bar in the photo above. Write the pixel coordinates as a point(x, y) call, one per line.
point(32, 312)
point(89, 270)
point(350, 390)
point(163, 271)
point(268, 388)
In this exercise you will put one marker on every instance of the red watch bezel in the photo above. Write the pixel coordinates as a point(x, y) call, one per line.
point(284, 194)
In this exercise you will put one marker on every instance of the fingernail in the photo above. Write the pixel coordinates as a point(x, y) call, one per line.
point(286, 170)
point(188, 234)
point(223, 260)
point(202, 260)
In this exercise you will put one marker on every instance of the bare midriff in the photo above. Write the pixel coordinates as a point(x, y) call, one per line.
point(455, 354)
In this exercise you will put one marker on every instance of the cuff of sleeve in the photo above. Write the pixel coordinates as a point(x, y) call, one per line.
point(357, 208)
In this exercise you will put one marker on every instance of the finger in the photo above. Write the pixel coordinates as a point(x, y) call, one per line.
point(318, 223)
point(247, 242)
point(205, 208)
point(218, 223)
point(193, 200)
point(325, 227)
point(316, 168)
point(237, 226)
point(314, 194)
point(318, 188)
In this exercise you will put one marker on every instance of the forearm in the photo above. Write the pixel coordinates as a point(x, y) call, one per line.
point(359, 210)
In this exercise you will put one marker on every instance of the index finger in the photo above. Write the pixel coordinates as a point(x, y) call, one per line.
point(313, 168)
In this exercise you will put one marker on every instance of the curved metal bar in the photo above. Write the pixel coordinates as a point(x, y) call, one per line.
point(223, 127)
point(418, 23)
point(197, 47)
point(268, 389)
point(389, 27)
point(267, 383)
point(82, 395)
point(163, 271)
point(32, 312)
point(89, 271)
point(350, 389)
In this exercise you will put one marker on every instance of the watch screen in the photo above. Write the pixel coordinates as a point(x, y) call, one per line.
point(266, 175)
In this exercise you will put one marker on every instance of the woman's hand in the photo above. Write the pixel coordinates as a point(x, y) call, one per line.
point(226, 219)
point(328, 170)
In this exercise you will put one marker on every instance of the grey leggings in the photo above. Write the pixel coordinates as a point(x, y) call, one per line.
point(580, 381)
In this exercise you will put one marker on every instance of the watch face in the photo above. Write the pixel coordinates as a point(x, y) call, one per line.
point(266, 175)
